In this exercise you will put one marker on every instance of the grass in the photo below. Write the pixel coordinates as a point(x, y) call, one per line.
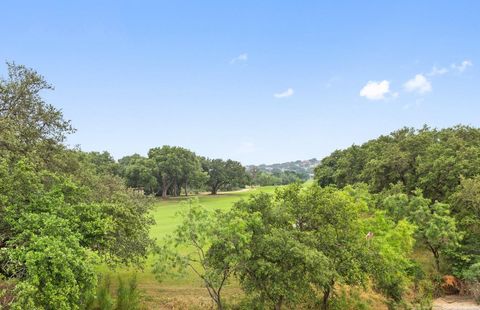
point(186, 291)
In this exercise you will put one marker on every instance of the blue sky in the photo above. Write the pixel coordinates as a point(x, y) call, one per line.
point(256, 81)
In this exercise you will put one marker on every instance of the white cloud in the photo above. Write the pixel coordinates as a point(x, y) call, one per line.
point(240, 58)
point(289, 92)
point(418, 84)
point(438, 71)
point(375, 90)
point(462, 66)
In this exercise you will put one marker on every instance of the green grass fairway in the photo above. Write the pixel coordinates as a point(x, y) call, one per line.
point(185, 291)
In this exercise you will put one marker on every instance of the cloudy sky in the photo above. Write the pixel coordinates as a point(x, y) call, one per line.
point(256, 81)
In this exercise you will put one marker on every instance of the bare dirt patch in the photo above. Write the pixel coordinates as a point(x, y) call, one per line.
point(455, 303)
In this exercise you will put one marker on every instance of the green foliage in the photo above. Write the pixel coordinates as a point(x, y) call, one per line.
point(429, 159)
point(472, 275)
point(202, 243)
point(139, 173)
point(264, 178)
point(128, 295)
point(466, 208)
point(27, 123)
point(285, 248)
point(224, 174)
point(435, 227)
point(104, 300)
point(349, 301)
point(41, 248)
point(173, 167)
point(60, 210)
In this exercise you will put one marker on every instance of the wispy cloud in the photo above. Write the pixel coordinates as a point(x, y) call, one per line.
point(240, 58)
point(418, 84)
point(376, 90)
point(461, 67)
point(289, 92)
point(437, 71)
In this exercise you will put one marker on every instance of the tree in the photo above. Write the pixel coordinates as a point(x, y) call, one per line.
point(215, 245)
point(313, 239)
point(167, 167)
point(435, 227)
point(282, 267)
point(224, 174)
point(60, 210)
point(103, 162)
point(333, 221)
point(139, 173)
point(27, 123)
point(175, 167)
point(190, 169)
point(466, 210)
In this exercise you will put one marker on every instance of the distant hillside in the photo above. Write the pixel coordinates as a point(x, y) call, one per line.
point(301, 166)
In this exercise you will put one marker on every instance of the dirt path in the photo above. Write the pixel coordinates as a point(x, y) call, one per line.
point(455, 303)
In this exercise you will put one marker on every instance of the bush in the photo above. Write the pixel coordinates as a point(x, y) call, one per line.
point(472, 276)
point(104, 298)
point(128, 295)
point(350, 300)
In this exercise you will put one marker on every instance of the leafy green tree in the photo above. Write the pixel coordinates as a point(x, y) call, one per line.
point(224, 174)
point(391, 244)
point(39, 246)
point(191, 172)
point(139, 173)
point(166, 166)
point(317, 238)
point(281, 268)
point(103, 163)
point(214, 245)
point(466, 209)
point(60, 210)
point(175, 167)
point(436, 228)
point(27, 123)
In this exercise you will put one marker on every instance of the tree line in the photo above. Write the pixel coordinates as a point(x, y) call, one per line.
point(173, 170)
point(169, 169)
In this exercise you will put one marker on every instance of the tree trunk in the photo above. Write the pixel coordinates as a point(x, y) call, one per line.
point(436, 256)
point(164, 193)
point(278, 305)
point(186, 188)
point(437, 260)
point(164, 187)
point(219, 303)
point(326, 295)
point(214, 190)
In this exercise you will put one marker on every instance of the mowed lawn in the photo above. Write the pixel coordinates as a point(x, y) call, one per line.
point(182, 291)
